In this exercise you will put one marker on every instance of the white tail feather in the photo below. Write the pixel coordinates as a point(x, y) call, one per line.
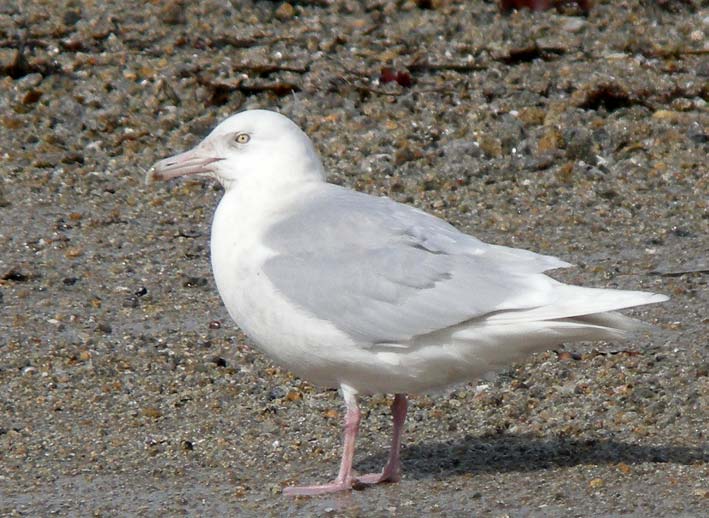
point(576, 301)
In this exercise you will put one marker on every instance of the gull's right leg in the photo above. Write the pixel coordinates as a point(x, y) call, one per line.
point(344, 479)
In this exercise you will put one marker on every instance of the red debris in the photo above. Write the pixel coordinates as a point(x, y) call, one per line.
point(402, 77)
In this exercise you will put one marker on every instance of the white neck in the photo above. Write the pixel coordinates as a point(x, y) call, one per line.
point(248, 207)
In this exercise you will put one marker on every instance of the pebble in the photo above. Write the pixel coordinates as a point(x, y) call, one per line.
point(285, 11)
point(624, 468)
point(550, 140)
point(573, 25)
point(152, 411)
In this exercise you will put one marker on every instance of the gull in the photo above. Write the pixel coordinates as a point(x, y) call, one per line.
point(364, 294)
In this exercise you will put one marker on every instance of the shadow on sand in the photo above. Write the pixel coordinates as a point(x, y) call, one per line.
point(506, 453)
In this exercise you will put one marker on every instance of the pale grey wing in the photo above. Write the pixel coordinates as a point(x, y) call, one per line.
point(385, 272)
point(335, 214)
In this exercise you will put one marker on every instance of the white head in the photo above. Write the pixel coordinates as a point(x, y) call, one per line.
point(256, 147)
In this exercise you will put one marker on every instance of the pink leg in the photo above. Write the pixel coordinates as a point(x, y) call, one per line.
point(344, 479)
point(392, 470)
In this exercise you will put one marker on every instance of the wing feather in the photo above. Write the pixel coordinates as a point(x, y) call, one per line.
point(385, 272)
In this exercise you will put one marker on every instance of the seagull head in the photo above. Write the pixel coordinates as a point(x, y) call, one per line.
point(251, 147)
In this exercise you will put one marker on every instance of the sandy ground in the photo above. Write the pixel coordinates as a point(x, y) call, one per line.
point(125, 390)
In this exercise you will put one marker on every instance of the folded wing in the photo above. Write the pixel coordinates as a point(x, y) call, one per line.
point(384, 272)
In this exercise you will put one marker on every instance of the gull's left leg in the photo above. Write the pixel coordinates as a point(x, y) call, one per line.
point(392, 470)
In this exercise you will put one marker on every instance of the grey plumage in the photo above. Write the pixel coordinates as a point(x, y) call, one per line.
point(384, 272)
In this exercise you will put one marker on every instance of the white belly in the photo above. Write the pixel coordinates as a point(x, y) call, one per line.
point(293, 338)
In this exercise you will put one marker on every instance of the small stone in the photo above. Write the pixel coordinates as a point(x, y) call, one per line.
point(72, 157)
point(105, 328)
point(166, 92)
point(406, 154)
point(294, 395)
point(701, 372)
point(15, 276)
point(565, 173)
point(532, 116)
point(490, 145)
point(667, 115)
point(697, 36)
point(173, 13)
point(11, 122)
point(30, 81)
point(580, 145)
point(277, 393)
point(31, 96)
point(431, 183)
point(551, 140)
point(285, 11)
point(151, 411)
point(624, 468)
point(573, 24)
point(566, 356)
point(596, 483)
point(195, 282)
point(697, 133)
point(131, 302)
point(682, 105)
point(702, 68)
point(71, 17)
point(74, 252)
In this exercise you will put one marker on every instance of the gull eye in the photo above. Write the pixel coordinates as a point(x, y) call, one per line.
point(242, 138)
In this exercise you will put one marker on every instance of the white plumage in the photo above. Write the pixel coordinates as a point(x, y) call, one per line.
point(362, 293)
